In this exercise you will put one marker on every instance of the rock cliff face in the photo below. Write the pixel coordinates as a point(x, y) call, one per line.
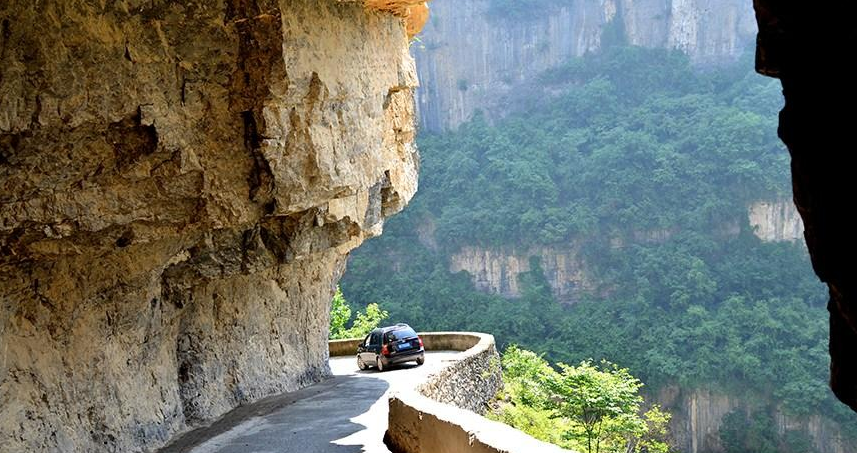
point(698, 415)
point(774, 221)
point(496, 272)
point(180, 183)
point(470, 57)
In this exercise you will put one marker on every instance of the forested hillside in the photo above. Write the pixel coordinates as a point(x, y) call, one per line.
point(646, 167)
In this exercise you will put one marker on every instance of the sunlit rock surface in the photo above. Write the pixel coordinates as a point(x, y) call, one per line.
point(180, 183)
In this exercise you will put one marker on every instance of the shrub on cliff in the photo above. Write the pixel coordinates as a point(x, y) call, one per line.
point(587, 407)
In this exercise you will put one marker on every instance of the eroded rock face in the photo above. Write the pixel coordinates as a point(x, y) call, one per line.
point(474, 59)
point(496, 271)
point(798, 45)
point(698, 412)
point(180, 183)
point(775, 221)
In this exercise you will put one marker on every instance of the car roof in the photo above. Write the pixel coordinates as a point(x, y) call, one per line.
point(392, 328)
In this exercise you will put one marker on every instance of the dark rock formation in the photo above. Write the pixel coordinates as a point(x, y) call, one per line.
point(804, 46)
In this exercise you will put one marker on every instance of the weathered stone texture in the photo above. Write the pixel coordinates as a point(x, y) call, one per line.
point(775, 220)
point(180, 183)
point(697, 416)
point(471, 382)
point(496, 271)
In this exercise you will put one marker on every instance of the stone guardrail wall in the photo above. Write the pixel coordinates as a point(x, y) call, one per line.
point(440, 415)
point(471, 381)
point(468, 383)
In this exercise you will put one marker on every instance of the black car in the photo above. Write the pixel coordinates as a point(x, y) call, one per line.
point(386, 346)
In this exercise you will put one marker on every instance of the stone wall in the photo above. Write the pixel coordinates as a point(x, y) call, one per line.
point(470, 382)
point(441, 415)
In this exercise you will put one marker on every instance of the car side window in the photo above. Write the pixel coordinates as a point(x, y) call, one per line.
point(366, 341)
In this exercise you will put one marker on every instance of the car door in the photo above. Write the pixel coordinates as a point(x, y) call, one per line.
point(375, 346)
point(363, 350)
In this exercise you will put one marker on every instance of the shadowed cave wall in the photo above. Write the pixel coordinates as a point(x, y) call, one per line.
point(803, 47)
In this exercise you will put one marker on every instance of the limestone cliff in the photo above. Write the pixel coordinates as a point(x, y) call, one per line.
point(698, 415)
point(471, 56)
point(180, 184)
point(496, 272)
point(776, 220)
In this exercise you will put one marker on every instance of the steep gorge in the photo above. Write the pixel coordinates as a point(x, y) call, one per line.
point(698, 415)
point(681, 291)
point(180, 185)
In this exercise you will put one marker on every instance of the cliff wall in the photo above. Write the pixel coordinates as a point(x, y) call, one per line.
point(698, 415)
point(180, 184)
point(496, 271)
point(473, 54)
point(776, 220)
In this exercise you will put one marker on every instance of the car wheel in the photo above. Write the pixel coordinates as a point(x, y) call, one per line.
point(380, 364)
point(421, 360)
point(360, 364)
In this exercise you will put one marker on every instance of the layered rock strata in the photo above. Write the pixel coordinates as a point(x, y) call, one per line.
point(180, 184)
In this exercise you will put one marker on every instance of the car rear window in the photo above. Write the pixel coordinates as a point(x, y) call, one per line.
point(398, 334)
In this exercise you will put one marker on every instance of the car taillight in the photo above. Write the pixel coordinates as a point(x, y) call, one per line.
point(421, 341)
point(384, 350)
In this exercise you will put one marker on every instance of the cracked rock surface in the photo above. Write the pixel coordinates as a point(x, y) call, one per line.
point(180, 185)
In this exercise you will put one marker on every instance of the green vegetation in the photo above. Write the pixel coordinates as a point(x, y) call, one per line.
point(647, 166)
point(340, 314)
point(756, 432)
point(585, 408)
point(521, 9)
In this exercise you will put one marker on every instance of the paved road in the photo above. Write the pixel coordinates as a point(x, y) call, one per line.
point(344, 414)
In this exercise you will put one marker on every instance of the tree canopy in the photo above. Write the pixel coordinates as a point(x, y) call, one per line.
point(647, 165)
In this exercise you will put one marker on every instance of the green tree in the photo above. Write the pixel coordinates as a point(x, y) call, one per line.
point(340, 313)
point(644, 167)
point(591, 407)
point(365, 321)
point(604, 402)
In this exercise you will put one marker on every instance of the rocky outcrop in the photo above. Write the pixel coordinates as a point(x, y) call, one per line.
point(496, 272)
point(698, 415)
point(799, 45)
point(775, 221)
point(181, 183)
point(470, 57)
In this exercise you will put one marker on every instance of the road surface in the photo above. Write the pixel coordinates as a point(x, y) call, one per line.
point(344, 414)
